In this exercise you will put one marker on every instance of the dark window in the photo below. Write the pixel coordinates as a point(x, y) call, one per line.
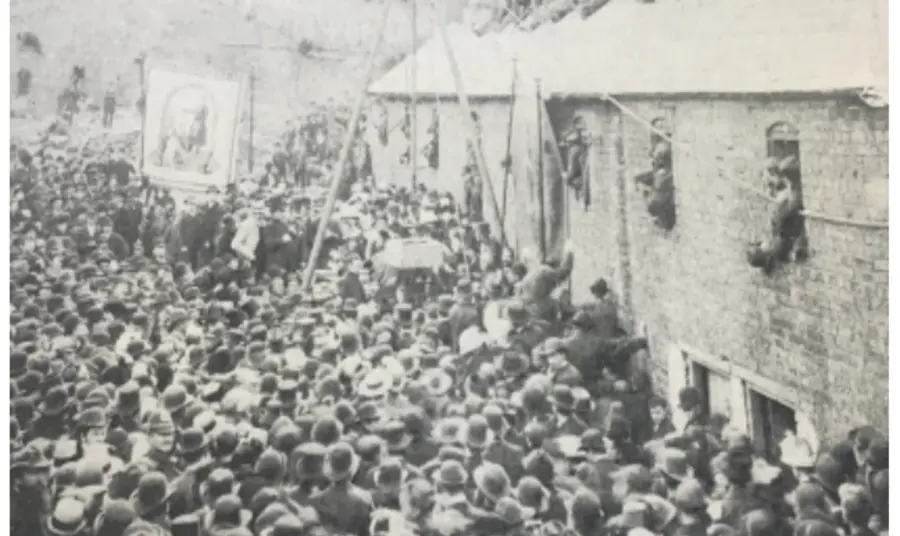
point(771, 421)
point(782, 147)
point(782, 141)
point(715, 388)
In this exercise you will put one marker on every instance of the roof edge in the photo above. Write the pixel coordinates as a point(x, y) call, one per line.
point(847, 91)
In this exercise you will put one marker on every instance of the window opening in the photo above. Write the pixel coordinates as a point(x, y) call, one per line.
point(786, 238)
point(715, 388)
point(771, 420)
point(574, 150)
point(658, 183)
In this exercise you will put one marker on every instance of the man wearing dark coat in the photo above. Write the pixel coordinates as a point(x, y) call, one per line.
point(602, 310)
point(590, 352)
point(661, 423)
point(350, 287)
point(51, 424)
point(227, 230)
point(342, 506)
point(119, 169)
point(501, 451)
point(280, 161)
point(280, 244)
point(536, 289)
point(127, 222)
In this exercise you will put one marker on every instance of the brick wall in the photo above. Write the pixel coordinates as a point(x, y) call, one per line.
point(820, 328)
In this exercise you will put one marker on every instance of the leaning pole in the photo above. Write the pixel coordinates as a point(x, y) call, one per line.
point(480, 161)
point(338, 171)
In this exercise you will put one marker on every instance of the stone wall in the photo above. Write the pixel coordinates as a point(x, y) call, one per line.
point(817, 330)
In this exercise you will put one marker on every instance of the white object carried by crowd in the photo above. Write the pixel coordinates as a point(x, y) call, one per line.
point(413, 253)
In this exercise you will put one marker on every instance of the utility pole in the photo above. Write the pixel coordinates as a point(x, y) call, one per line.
point(507, 160)
point(414, 138)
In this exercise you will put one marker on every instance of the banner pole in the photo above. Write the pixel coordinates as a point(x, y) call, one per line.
point(540, 172)
point(338, 171)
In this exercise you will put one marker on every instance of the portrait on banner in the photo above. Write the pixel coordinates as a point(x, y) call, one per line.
point(190, 129)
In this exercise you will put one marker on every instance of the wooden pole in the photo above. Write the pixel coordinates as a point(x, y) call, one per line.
point(508, 157)
point(467, 111)
point(553, 142)
point(252, 117)
point(236, 139)
point(414, 138)
point(338, 172)
point(540, 172)
point(142, 74)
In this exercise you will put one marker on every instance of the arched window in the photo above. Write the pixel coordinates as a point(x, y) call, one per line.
point(658, 183)
point(787, 240)
point(783, 152)
point(782, 140)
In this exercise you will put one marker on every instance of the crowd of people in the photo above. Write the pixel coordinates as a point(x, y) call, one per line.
point(158, 391)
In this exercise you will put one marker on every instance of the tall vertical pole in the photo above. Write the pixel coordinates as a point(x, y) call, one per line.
point(142, 76)
point(252, 116)
point(467, 112)
point(349, 136)
point(540, 171)
point(508, 156)
point(414, 138)
point(141, 61)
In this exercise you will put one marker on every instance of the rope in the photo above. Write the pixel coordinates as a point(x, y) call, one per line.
point(837, 220)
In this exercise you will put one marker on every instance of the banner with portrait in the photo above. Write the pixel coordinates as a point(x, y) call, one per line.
point(190, 130)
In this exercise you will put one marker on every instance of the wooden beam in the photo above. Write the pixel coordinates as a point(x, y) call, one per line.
point(467, 110)
point(338, 171)
point(414, 115)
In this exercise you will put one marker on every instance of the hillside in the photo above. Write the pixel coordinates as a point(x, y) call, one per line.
point(200, 36)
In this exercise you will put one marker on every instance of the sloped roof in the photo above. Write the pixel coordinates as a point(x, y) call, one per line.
point(705, 46)
point(485, 71)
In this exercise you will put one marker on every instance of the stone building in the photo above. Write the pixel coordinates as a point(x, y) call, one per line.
point(807, 341)
point(730, 88)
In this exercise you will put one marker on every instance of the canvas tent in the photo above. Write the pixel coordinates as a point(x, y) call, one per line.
point(487, 75)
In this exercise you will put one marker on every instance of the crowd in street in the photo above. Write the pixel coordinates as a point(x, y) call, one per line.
point(162, 385)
